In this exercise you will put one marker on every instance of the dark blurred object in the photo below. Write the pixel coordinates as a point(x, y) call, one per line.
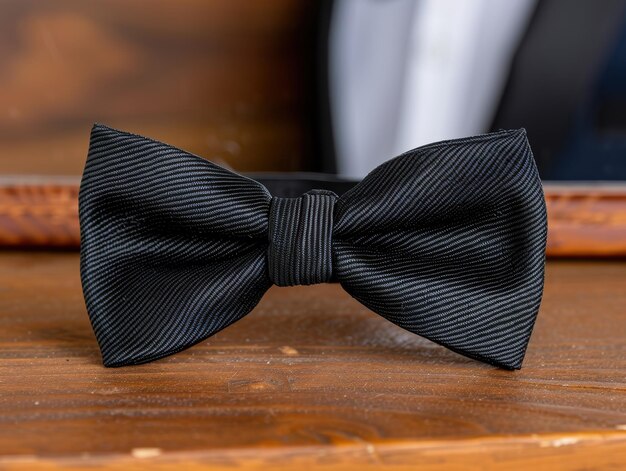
point(567, 87)
point(231, 80)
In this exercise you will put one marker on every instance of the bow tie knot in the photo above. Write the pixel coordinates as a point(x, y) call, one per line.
point(300, 239)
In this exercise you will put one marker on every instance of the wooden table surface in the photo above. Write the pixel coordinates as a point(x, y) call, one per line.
point(310, 377)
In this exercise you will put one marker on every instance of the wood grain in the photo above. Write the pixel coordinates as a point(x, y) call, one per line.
point(583, 220)
point(586, 220)
point(39, 212)
point(229, 79)
point(311, 378)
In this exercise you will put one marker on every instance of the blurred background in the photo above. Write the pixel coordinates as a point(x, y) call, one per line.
point(327, 86)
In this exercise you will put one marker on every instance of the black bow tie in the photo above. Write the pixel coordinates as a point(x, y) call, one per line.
point(446, 241)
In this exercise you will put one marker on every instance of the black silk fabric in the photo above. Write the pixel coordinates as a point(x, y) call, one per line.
point(446, 241)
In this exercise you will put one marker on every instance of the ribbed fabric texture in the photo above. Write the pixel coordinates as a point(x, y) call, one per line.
point(446, 241)
point(300, 239)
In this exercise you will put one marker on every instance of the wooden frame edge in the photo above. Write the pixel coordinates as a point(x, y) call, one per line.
point(584, 219)
point(39, 212)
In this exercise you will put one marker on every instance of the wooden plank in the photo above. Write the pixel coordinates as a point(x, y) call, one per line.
point(583, 220)
point(591, 451)
point(586, 220)
point(311, 377)
point(39, 212)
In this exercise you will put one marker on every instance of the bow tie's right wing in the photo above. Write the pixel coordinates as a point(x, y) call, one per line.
point(448, 241)
point(172, 246)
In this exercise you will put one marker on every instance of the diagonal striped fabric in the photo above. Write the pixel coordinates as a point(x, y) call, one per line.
point(446, 241)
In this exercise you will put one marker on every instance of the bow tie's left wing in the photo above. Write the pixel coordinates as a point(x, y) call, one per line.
point(172, 246)
point(448, 241)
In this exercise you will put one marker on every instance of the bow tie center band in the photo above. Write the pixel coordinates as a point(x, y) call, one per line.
point(446, 241)
point(300, 239)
